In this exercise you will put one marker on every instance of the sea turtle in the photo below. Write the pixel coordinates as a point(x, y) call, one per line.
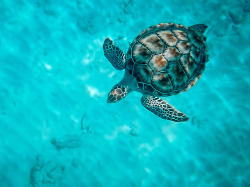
point(163, 60)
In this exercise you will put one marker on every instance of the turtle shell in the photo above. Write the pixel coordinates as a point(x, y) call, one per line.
point(166, 59)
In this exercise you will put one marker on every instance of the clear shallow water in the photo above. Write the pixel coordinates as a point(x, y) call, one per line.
point(56, 128)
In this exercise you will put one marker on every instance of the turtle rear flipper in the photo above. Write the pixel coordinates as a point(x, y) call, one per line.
point(162, 109)
point(114, 55)
point(201, 28)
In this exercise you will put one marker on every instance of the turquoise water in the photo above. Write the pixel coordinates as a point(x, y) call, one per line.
point(56, 128)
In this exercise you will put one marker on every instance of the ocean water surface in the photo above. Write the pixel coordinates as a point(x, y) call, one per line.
point(57, 129)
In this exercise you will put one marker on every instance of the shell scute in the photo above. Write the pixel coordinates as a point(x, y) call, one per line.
point(144, 72)
point(170, 25)
point(177, 74)
point(171, 54)
point(158, 62)
point(197, 40)
point(153, 43)
point(162, 82)
point(183, 47)
point(188, 64)
point(181, 35)
point(167, 37)
point(141, 54)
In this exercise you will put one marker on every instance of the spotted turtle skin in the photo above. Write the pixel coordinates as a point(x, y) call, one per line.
point(166, 59)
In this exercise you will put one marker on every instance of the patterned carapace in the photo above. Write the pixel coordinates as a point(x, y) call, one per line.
point(166, 59)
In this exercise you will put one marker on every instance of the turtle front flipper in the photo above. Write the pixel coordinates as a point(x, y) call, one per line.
point(114, 55)
point(162, 109)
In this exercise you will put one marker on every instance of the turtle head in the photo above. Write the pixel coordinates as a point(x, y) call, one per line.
point(117, 93)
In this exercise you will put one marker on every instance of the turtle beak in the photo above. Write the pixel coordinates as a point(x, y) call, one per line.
point(111, 99)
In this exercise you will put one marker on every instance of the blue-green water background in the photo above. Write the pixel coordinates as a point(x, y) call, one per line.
point(56, 128)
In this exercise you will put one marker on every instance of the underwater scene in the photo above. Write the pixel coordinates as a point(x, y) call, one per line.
point(59, 127)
